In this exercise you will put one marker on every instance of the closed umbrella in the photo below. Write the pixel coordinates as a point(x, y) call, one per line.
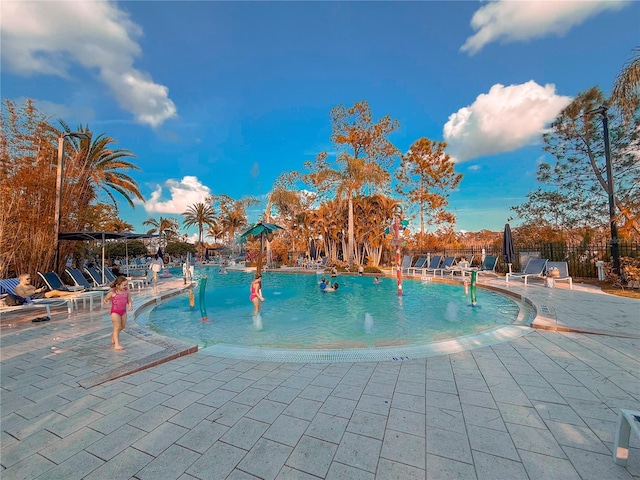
point(508, 249)
point(312, 250)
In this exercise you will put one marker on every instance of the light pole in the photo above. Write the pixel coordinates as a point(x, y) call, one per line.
point(58, 205)
point(602, 110)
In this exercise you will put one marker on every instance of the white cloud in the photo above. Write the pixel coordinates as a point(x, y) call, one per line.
point(502, 120)
point(474, 167)
point(183, 194)
point(511, 21)
point(46, 37)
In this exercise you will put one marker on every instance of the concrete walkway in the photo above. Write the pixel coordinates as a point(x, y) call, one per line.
point(542, 406)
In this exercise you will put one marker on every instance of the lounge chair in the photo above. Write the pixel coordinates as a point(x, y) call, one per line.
point(447, 263)
point(96, 277)
point(54, 282)
point(488, 265)
point(563, 270)
point(461, 267)
point(8, 285)
point(535, 268)
point(418, 265)
point(80, 280)
point(433, 265)
point(407, 260)
point(320, 264)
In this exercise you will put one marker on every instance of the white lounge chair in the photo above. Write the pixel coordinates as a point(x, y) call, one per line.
point(535, 268)
point(563, 271)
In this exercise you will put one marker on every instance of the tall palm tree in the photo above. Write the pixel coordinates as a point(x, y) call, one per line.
point(199, 214)
point(96, 166)
point(625, 89)
point(169, 227)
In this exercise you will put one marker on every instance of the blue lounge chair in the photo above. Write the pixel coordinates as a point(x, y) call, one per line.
point(535, 268)
point(461, 267)
point(54, 282)
point(96, 277)
point(8, 285)
point(488, 265)
point(446, 265)
point(418, 265)
point(433, 265)
point(80, 280)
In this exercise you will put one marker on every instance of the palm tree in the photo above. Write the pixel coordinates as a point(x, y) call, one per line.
point(199, 214)
point(167, 226)
point(625, 89)
point(95, 166)
point(118, 225)
point(232, 220)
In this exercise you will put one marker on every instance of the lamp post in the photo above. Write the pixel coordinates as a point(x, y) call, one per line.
point(602, 110)
point(58, 205)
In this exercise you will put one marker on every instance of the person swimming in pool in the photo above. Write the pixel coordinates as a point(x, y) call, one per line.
point(376, 280)
point(323, 283)
point(331, 288)
point(256, 293)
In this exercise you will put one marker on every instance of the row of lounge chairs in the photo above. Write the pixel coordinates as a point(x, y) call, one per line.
point(535, 268)
point(85, 290)
point(439, 265)
point(540, 268)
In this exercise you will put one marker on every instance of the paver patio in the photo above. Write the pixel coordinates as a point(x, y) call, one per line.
point(542, 406)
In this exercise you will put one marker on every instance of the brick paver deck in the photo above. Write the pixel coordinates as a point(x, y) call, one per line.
point(542, 406)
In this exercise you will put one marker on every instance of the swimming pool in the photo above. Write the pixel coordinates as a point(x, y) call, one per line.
point(297, 315)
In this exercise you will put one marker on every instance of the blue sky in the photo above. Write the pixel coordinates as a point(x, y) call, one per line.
point(222, 97)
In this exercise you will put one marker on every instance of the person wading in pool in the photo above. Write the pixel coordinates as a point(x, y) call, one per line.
point(331, 288)
point(256, 293)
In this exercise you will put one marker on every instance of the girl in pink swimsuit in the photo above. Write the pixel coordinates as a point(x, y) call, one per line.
point(120, 299)
point(255, 294)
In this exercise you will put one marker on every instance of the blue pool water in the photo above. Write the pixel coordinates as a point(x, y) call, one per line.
point(296, 314)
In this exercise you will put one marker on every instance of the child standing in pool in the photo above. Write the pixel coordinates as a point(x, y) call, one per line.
point(255, 294)
point(120, 298)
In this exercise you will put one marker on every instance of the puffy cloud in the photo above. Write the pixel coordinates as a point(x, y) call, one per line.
point(183, 194)
point(511, 21)
point(502, 120)
point(46, 37)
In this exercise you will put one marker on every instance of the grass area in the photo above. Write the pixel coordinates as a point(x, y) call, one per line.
point(609, 287)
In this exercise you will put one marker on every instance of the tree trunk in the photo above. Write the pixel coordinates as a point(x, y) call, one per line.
point(350, 246)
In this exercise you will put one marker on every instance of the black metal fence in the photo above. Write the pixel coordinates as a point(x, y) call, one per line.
point(580, 258)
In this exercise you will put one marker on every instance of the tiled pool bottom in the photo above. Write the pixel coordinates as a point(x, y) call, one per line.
point(380, 354)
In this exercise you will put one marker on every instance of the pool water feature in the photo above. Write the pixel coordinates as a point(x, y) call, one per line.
point(298, 315)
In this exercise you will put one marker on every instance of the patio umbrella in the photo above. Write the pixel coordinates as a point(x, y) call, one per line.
point(102, 236)
point(262, 230)
point(312, 250)
point(508, 249)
